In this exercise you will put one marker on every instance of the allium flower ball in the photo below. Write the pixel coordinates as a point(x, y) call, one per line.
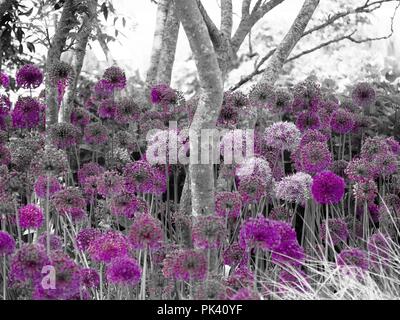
point(263, 95)
point(252, 189)
point(312, 135)
point(85, 237)
point(46, 185)
point(68, 200)
point(4, 80)
point(162, 94)
point(27, 113)
point(228, 204)
point(281, 214)
point(139, 177)
point(64, 135)
point(342, 121)
point(103, 90)
point(360, 170)
point(125, 205)
point(55, 241)
point(80, 117)
point(110, 183)
point(234, 255)
point(353, 257)
point(294, 188)
point(312, 157)
point(255, 166)
point(365, 191)
point(107, 109)
point(127, 110)
point(115, 76)
point(283, 101)
point(208, 232)
point(27, 263)
point(123, 271)
point(258, 233)
point(338, 167)
point(90, 169)
point(229, 114)
point(283, 136)
point(30, 217)
point(308, 120)
point(185, 265)
point(394, 145)
point(146, 232)
point(337, 231)
point(7, 244)
point(89, 278)
point(363, 94)
point(95, 133)
point(108, 246)
point(327, 188)
point(49, 161)
point(306, 96)
point(29, 77)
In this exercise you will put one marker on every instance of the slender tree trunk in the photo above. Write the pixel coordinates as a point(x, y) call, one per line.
point(64, 26)
point(208, 109)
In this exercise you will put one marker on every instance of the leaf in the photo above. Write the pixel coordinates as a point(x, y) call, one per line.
point(104, 9)
point(21, 49)
point(124, 22)
point(30, 46)
point(19, 34)
point(27, 13)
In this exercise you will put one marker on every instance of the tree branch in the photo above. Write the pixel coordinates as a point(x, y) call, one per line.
point(226, 17)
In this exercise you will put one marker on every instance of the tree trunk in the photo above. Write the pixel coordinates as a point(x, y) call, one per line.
point(208, 109)
point(64, 26)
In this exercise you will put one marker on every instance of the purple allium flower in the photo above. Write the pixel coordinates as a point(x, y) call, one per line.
point(245, 294)
point(89, 278)
point(29, 77)
point(255, 166)
point(7, 244)
point(46, 183)
point(353, 257)
point(90, 169)
point(363, 94)
point(281, 214)
point(90, 187)
point(394, 145)
point(327, 188)
point(67, 201)
point(146, 232)
point(60, 72)
point(338, 167)
point(127, 110)
point(4, 80)
point(49, 161)
point(55, 241)
point(28, 113)
point(258, 233)
point(30, 217)
point(85, 237)
point(107, 109)
point(103, 90)
point(342, 121)
point(162, 94)
point(27, 263)
point(252, 189)
point(283, 101)
point(385, 164)
point(365, 191)
point(115, 76)
point(360, 170)
point(308, 120)
point(5, 155)
point(283, 136)
point(234, 255)
point(373, 147)
point(263, 95)
point(95, 133)
point(80, 117)
point(379, 249)
point(208, 232)
point(110, 183)
point(228, 204)
point(338, 231)
point(306, 96)
point(125, 205)
point(185, 265)
point(312, 157)
point(139, 177)
point(240, 278)
point(108, 246)
point(294, 188)
point(123, 271)
point(64, 135)
point(312, 135)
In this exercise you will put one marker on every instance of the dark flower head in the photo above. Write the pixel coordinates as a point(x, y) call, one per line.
point(228, 204)
point(146, 232)
point(95, 134)
point(60, 72)
point(283, 101)
point(360, 170)
point(29, 77)
point(80, 117)
point(68, 200)
point(46, 185)
point(30, 217)
point(107, 109)
point(312, 157)
point(109, 246)
point(185, 265)
point(127, 110)
point(342, 121)
point(163, 94)
point(337, 231)
point(4, 80)
point(263, 95)
point(363, 94)
point(90, 169)
point(139, 177)
point(208, 232)
point(306, 96)
point(308, 120)
point(89, 278)
point(103, 90)
point(55, 241)
point(312, 135)
point(327, 188)
point(7, 244)
point(28, 113)
point(64, 135)
point(115, 76)
point(234, 255)
point(252, 188)
point(258, 233)
point(85, 237)
point(123, 271)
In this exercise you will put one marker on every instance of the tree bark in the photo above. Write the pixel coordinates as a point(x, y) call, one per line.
point(208, 109)
point(64, 26)
point(226, 17)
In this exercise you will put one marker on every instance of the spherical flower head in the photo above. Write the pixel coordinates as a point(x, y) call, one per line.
point(49, 161)
point(107, 109)
point(29, 77)
point(67, 201)
point(125, 205)
point(294, 188)
point(55, 241)
point(385, 164)
point(394, 145)
point(338, 231)
point(311, 135)
point(80, 117)
point(258, 233)
point(5, 155)
point(338, 167)
point(281, 214)
point(4, 80)
point(60, 72)
point(163, 94)
point(64, 135)
point(353, 257)
point(46, 186)
point(108, 246)
point(373, 147)
point(244, 294)
point(228, 204)
point(363, 95)
point(103, 90)
point(89, 278)
point(7, 244)
point(379, 249)
point(185, 265)
point(116, 77)
point(127, 110)
point(342, 121)
point(283, 103)
point(110, 183)
point(95, 134)
point(252, 189)
point(308, 120)
point(27, 113)
point(365, 191)
point(123, 271)
point(306, 96)
point(234, 255)
point(146, 232)
point(208, 232)
point(85, 237)
point(327, 188)
point(241, 277)
point(27, 263)
point(90, 169)
point(139, 177)
point(283, 136)
point(312, 157)
point(360, 170)
point(30, 217)
point(263, 95)
point(255, 166)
